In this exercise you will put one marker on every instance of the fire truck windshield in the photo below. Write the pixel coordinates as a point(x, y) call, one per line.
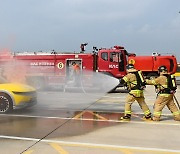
point(115, 57)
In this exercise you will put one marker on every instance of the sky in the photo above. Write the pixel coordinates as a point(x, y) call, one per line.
point(141, 26)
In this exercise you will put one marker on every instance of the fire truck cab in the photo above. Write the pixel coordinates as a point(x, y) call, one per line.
point(113, 61)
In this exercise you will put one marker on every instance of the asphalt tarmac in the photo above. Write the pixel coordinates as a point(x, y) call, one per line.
point(87, 123)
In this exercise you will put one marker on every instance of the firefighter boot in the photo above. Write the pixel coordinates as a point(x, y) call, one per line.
point(147, 117)
point(177, 118)
point(156, 118)
point(176, 115)
point(127, 117)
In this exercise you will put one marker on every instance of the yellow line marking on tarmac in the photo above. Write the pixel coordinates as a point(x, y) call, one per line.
point(134, 122)
point(125, 151)
point(170, 123)
point(78, 116)
point(28, 152)
point(58, 148)
point(95, 145)
point(98, 116)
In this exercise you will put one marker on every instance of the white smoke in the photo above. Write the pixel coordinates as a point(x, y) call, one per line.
point(66, 91)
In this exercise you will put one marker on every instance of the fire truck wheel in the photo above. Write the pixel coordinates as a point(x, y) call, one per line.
point(6, 104)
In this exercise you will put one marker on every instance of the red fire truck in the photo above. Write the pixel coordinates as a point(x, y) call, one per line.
point(150, 64)
point(42, 68)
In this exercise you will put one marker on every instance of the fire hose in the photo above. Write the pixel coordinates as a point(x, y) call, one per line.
point(177, 102)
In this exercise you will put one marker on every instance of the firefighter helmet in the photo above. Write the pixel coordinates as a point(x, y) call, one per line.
point(162, 69)
point(130, 66)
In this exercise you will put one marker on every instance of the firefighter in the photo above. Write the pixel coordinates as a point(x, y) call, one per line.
point(76, 73)
point(165, 94)
point(133, 80)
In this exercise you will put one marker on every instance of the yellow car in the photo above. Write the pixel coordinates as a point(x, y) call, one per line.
point(15, 95)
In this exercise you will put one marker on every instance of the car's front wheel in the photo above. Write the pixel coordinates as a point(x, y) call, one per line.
point(6, 104)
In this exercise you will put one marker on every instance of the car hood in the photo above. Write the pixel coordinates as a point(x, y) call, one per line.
point(16, 87)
